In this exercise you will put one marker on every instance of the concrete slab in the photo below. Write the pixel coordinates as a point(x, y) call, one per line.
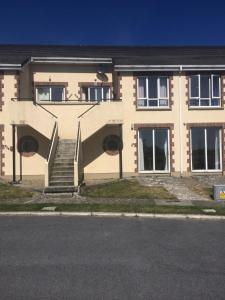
point(49, 208)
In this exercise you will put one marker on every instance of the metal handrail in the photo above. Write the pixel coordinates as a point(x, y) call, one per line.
point(21, 99)
point(52, 140)
point(88, 110)
point(35, 103)
point(77, 143)
point(46, 110)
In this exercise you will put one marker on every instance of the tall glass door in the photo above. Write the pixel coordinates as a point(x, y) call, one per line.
point(206, 149)
point(153, 150)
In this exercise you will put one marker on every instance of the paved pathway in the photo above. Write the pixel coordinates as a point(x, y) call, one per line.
point(179, 187)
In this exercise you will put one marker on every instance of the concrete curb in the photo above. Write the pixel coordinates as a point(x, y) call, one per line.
point(109, 214)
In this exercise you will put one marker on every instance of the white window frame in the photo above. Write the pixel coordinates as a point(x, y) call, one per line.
point(50, 93)
point(153, 147)
point(102, 93)
point(210, 92)
point(206, 170)
point(158, 93)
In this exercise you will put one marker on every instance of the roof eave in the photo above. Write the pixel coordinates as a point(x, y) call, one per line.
point(7, 67)
point(71, 60)
point(130, 68)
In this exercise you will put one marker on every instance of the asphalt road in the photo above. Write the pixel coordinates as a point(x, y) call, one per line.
point(111, 258)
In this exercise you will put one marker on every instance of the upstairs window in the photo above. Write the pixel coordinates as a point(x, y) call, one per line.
point(50, 93)
point(153, 91)
point(96, 93)
point(204, 91)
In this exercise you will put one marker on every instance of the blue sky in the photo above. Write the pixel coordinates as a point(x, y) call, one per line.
point(137, 22)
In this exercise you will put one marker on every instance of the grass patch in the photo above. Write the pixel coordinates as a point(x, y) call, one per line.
point(126, 189)
point(97, 207)
point(8, 191)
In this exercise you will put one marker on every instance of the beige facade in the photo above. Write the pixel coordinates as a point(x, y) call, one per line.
point(19, 106)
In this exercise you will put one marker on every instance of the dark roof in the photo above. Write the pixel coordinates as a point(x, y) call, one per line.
point(172, 55)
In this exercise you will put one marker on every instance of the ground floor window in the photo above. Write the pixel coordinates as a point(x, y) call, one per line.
point(154, 150)
point(206, 149)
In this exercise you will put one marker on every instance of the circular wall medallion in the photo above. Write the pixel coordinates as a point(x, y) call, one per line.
point(27, 145)
point(112, 144)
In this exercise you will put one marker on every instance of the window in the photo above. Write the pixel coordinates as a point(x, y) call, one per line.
point(96, 93)
point(153, 91)
point(112, 144)
point(27, 146)
point(204, 90)
point(50, 93)
point(206, 149)
point(154, 150)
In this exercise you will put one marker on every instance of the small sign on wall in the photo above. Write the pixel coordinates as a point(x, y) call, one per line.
point(219, 192)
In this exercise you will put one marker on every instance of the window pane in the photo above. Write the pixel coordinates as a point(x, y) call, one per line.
point(198, 148)
point(43, 93)
point(216, 86)
point(85, 93)
point(194, 102)
point(106, 94)
point(194, 86)
point(153, 103)
point(92, 94)
point(213, 148)
point(57, 93)
point(204, 102)
point(145, 150)
point(142, 87)
point(142, 102)
point(161, 150)
point(163, 102)
point(163, 87)
point(204, 82)
point(98, 94)
point(215, 102)
point(152, 87)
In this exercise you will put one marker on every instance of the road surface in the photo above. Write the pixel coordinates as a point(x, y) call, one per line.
point(111, 258)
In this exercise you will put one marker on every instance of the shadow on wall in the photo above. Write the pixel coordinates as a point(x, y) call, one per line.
point(93, 146)
point(43, 142)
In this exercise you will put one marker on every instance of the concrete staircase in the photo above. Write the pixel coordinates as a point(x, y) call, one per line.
point(62, 172)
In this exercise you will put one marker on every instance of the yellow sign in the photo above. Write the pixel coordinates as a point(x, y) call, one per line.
point(222, 194)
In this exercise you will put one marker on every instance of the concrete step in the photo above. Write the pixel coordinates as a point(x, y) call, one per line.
point(70, 144)
point(62, 173)
point(69, 169)
point(61, 183)
point(61, 178)
point(61, 164)
point(60, 189)
point(64, 156)
point(67, 146)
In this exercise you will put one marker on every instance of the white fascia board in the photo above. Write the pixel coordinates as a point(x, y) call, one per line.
point(128, 68)
point(71, 60)
point(203, 67)
point(10, 66)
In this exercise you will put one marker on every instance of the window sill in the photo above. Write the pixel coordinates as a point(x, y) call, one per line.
point(67, 102)
point(154, 108)
point(75, 102)
point(154, 172)
point(205, 108)
point(199, 172)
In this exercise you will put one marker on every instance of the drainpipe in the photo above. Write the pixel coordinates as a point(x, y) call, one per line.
point(14, 152)
point(180, 121)
point(120, 152)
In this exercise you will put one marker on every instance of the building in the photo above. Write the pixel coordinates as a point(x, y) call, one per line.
point(94, 112)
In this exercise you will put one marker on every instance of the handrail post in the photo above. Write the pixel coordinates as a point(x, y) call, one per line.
point(52, 150)
point(76, 156)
